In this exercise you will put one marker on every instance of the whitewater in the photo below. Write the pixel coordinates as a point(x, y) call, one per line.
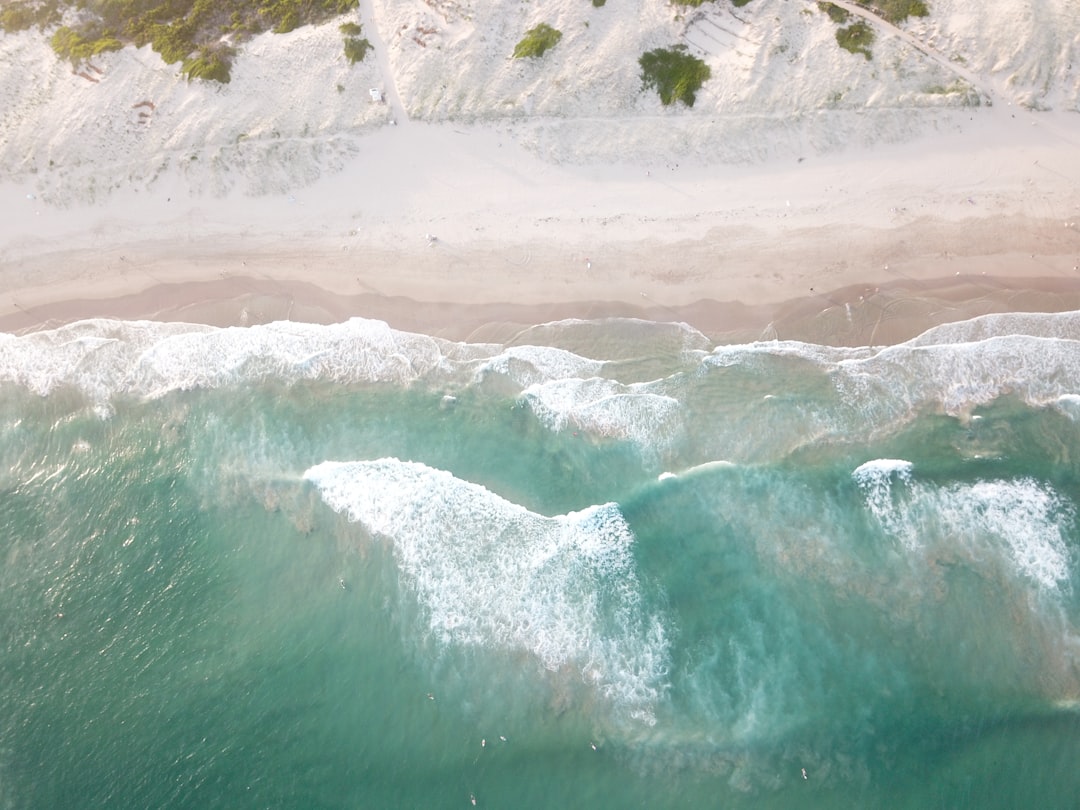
point(299, 565)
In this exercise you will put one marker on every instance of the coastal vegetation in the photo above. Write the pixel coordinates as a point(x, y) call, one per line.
point(537, 40)
point(198, 34)
point(856, 38)
point(675, 74)
point(24, 14)
point(70, 44)
point(210, 62)
point(838, 14)
point(356, 46)
point(859, 36)
point(896, 11)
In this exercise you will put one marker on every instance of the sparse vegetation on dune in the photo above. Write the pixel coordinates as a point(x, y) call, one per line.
point(896, 11)
point(537, 41)
point(859, 36)
point(70, 44)
point(196, 33)
point(23, 14)
point(210, 62)
point(837, 14)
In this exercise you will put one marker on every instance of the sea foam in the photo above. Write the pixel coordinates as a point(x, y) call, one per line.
point(1020, 524)
point(608, 409)
point(953, 369)
point(490, 573)
point(105, 359)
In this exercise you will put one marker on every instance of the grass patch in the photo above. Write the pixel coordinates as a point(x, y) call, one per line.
point(837, 14)
point(537, 41)
point(351, 29)
point(674, 73)
point(598, 3)
point(856, 38)
point(896, 11)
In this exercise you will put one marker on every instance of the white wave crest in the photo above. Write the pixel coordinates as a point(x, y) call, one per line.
point(954, 368)
point(1026, 520)
point(106, 358)
point(489, 572)
point(1021, 523)
point(875, 479)
point(529, 365)
point(607, 408)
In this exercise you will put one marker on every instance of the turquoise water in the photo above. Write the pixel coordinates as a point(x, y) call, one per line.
point(609, 565)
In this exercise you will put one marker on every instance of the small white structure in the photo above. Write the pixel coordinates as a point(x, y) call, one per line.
point(376, 94)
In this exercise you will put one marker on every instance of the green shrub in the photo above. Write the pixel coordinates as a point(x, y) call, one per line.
point(70, 44)
point(173, 42)
point(351, 29)
point(896, 11)
point(856, 38)
point(836, 13)
point(19, 16)
point(210, 63)
point(537, 40)
point(598, 3)
point(676, 75)
point(356, 49)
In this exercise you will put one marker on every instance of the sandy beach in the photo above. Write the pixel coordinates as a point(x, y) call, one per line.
point(466, 229)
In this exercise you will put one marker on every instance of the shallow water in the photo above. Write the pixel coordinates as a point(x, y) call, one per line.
point(612, 564)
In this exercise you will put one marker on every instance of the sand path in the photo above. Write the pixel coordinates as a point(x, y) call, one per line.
point(378, 45)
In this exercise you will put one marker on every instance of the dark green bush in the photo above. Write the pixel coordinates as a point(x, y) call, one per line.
point(896, 11)
point(351, 29)
point(676, 75)
point(836, 13)
point(173, 42)
point(857, 38)
point(356, 49)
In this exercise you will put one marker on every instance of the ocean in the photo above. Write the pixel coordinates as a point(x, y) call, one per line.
point(605, 564)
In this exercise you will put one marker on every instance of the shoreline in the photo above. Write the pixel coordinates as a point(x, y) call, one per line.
point(857, 315)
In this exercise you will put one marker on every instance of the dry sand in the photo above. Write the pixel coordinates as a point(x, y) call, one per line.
point(468, 229)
